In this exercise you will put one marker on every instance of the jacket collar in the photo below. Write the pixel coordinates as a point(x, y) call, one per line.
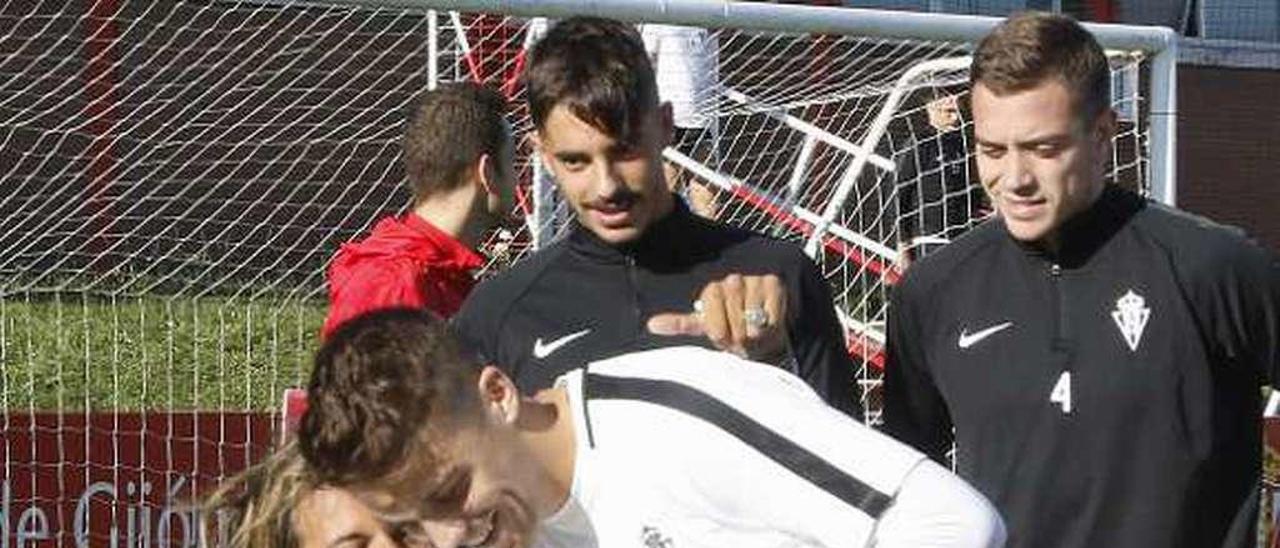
point(441, 247)
point(1085, 233)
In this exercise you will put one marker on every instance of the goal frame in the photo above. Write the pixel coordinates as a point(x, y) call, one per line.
point(1159, 42)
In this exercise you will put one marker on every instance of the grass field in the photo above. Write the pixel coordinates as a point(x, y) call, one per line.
point(75, 352)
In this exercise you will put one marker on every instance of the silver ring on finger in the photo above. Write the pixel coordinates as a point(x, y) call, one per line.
point(756, 317)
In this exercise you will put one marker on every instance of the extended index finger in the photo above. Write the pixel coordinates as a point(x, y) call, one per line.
point(674, 323)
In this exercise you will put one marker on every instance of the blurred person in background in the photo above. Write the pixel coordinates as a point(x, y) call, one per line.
point(458, 160)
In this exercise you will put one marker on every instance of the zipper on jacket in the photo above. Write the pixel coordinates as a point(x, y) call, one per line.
point(635, 295)
point(1060, 340)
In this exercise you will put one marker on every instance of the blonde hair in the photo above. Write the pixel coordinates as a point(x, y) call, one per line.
point(255, 508)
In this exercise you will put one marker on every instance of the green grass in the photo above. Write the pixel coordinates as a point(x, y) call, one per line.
point(76, 352)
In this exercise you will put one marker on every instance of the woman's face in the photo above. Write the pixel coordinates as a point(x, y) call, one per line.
point(332, 518)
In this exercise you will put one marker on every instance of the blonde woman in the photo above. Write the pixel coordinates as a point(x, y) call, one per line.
point(276, 504)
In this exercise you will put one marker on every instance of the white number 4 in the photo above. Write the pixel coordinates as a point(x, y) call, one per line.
point(1061, 393)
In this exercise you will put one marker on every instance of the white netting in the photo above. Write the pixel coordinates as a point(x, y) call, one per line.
point(178, 173)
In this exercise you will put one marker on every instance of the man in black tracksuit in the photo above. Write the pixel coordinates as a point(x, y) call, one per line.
point(583, 299)
point(635, 251)
point(1099, 357)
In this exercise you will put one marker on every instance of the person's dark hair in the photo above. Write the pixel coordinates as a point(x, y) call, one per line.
point(380, 382)
point(1031, 47)
point(598, 69)
point(449, 129)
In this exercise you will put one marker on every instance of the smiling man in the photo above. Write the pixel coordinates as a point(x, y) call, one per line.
point(680, 446)
point(635, 251)
point(1096, 358)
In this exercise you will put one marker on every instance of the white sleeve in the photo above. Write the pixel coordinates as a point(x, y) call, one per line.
point(752, 450)
point(935, 508)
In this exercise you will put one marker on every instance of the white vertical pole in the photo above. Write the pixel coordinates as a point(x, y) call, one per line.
point(800, 168)
point(1164, 124)
point(542, 224)
point(433, 50)
point(542, 220)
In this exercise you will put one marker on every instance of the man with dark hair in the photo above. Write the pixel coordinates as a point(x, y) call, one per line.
point(1097, 356)
point(636, 253)
point(681, 446)
point(457, 159)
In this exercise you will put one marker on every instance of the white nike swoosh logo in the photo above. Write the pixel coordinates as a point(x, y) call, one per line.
point(967, 339)
point(541, 350)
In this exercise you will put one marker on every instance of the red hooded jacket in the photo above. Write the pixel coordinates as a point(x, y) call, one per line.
point(405, 261)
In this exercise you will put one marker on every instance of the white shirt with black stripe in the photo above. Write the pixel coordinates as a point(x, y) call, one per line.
point(686, 447)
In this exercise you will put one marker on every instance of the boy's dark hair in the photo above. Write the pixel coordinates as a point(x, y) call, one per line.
point(378, 382)
point(598, 69)
point(1031, 47)
point(449, 129)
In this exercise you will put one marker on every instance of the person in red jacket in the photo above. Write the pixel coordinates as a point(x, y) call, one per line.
point(458, 161)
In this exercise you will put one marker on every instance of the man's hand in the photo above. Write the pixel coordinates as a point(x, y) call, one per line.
point(944, 113)
point(745, 315)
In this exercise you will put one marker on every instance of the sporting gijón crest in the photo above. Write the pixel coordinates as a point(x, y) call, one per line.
point(653, 538)
point(1131, 315)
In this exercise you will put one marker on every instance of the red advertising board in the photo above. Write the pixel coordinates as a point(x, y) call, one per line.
point(1268, 533)
point(118, 479)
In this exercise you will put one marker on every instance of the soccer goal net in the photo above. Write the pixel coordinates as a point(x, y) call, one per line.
point(177, 174)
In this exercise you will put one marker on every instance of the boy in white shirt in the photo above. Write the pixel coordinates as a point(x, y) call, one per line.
point(674, 447)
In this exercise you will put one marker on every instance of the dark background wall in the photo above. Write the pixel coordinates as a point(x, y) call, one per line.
point(1229, 147)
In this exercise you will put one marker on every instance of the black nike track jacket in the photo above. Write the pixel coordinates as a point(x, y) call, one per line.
point(582, 299)
point(1105, 396)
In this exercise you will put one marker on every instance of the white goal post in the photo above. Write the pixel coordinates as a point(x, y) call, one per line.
point(1159, 42)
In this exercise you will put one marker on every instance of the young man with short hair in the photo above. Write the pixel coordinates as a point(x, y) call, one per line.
point(680, 446)
point(457, 154)
point(636, 252)
point(1098, 357)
